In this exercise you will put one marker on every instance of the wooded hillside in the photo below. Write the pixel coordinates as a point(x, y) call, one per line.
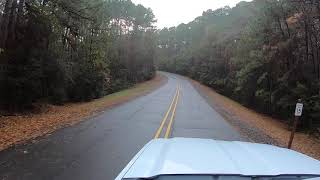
point(264, 54)
point(72, 50)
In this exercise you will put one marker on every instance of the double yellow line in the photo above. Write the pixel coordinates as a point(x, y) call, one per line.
point(172, 109)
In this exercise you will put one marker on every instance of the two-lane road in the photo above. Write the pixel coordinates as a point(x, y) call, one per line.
point(100, 147)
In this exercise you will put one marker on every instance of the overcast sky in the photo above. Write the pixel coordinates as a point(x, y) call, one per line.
point(173, 12)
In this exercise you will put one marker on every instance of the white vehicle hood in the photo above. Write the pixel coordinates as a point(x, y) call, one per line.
point(212, 157)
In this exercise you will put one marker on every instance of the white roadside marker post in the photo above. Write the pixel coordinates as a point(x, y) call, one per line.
point(297, 114)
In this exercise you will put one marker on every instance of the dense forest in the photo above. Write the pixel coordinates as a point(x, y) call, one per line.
point(264, 54)
point(72, 50)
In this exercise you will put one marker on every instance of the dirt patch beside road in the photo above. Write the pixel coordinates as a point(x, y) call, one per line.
point(258, 127)
point(20, 128)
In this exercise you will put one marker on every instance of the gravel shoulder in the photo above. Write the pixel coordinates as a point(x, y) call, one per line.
point(257, 127)
point(21, 128)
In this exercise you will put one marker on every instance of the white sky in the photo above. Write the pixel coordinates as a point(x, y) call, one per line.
point(173, 12)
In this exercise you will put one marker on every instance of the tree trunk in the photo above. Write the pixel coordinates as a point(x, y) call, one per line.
point(313, 56)
point(306, 38)
point(318, 60)
point(1, 11)
point(285, 20)
point(20, 11)
point(91, 42)
point(317, 47)
point(12, 25)
point(5, 23)
point(280, 27)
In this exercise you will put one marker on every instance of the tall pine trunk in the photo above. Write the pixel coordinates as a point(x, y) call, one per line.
point(20, 11)
point(5, 23)
point(12, 25)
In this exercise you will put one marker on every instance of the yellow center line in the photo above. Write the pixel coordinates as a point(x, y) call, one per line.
point(157, 135)
point(172, 115)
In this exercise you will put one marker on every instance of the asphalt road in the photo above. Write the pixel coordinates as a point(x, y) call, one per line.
point(98, 149)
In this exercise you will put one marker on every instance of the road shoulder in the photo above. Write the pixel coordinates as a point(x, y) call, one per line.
point(21, 128)
point(257, 127)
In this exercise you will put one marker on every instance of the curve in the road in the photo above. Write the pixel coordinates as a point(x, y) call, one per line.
point(99, 148)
